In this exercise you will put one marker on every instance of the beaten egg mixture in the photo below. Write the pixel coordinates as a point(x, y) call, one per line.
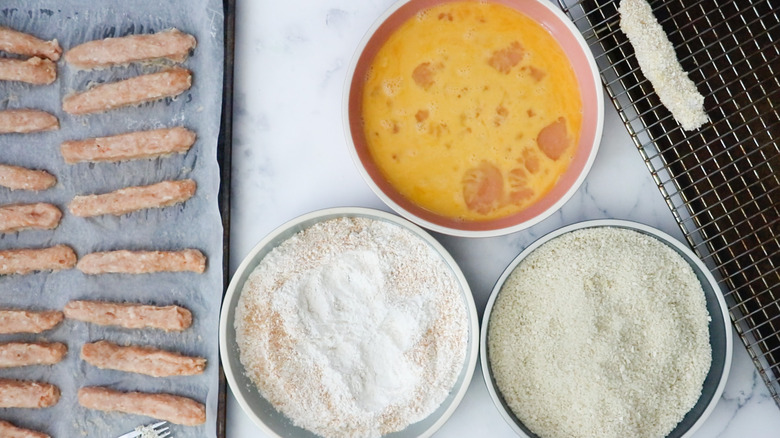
point(471, 110)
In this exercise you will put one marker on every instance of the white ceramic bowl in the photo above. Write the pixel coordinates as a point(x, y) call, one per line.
point(719, 328)
point(575, 47)
point(262, 413)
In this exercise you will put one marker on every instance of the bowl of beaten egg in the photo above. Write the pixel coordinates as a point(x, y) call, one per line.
point(473, 118)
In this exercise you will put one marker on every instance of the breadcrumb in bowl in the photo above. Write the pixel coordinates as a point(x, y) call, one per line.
point(250, 397)
point(662, 304)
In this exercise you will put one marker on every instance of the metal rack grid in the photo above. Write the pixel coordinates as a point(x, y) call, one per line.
point(721, 182)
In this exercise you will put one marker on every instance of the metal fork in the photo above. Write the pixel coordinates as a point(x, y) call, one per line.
point(156, 430)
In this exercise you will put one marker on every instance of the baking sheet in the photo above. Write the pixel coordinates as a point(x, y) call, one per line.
point(195, 224)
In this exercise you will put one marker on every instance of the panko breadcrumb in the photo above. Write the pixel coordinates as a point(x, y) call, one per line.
point(600, 332)
point(658, 62)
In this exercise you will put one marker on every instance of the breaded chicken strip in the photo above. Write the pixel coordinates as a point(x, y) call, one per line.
point(27, 394)
point(22, 121)
point(130, 146)
point(19, 354)
point(26, 260)
point(130, 315)
point(19, 178)
point(28, 216)
point(142, 360)
point(657, 59)
point(131, 199)
point(140, 89)
point(13, 41)
point(34, 70)
point(172, 408)
point(142, 262)
point(27, 321)
point(171, 44)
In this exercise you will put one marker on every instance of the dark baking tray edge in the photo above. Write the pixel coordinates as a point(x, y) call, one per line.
point(224, 158)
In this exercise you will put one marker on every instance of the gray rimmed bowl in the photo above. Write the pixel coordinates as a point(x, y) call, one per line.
point(719, 328)
point(262, 413)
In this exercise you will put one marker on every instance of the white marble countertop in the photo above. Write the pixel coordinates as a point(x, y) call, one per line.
point(290, 157)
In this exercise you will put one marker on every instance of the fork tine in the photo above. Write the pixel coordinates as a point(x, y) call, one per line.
point(159, 428)
point(162, 432)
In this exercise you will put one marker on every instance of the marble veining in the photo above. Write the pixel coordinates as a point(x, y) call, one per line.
point(290, 157)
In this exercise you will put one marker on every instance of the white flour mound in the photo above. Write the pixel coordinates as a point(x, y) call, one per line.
point(353, 328)
point(600, 332)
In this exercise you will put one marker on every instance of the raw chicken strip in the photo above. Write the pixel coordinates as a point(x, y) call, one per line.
point(27, 394)
point(25, 216)
point(172, 408)
point(22, 121)
point(133, 145)
point(13, 41)
point(8, 430)
point(130, 315)
point(34, 70)
point(142, 262)
point(142, 360)
point(19, 354)
point(19, 178)
point(26, 260)
point(131, 91)
point(26, 321)
point(172, 44)
point(131, 199)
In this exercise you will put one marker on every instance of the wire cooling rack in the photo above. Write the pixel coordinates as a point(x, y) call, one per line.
point(721, 182)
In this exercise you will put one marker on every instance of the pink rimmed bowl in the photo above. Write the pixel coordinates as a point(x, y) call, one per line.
point(575, 47)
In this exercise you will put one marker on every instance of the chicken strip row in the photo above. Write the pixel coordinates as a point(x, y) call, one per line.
point(172, 408)
point(171, 44)
point(23, 121)
point(136, 90)
point(141, 360)
point(129, 199)
point(130, 315)
point(27, 394)
point(28, 321)
point(8, 430)
point(20, 178)
point(129, 146)
point(142, 262)
point(35, 70)
point(19, 354)
point(13, 41)
point(27, 260)
point(29, 216)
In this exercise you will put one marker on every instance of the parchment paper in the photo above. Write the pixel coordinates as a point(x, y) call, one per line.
point(195, 224)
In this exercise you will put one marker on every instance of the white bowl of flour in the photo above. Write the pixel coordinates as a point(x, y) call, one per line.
point(349, 322)
point(606, 328)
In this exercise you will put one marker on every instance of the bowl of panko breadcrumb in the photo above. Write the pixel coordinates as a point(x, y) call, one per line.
point(473, 118)
point(606, 328)
point(349, 322)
